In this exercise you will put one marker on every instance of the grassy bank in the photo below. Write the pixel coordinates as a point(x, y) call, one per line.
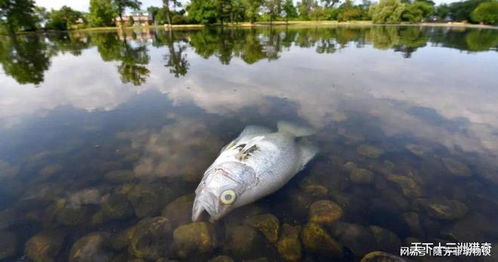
point(283, 23)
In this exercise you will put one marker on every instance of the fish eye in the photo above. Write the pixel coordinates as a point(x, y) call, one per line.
point(228, 197)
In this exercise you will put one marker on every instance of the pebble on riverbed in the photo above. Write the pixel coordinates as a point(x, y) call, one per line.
point(193, 238)
point(179, 211)
point(267, 224)
point(361, 176)
point(288, 245)
point(44, 246)
point(316, 240)
point(150, 237)
point(325, 212)
point(90, 248)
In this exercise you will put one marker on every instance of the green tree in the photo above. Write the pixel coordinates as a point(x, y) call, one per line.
point(63, 18)
point(461, 11)
point(486, 13)
point(417, 12)
point(347, 12)
point(387, 12)
point(252, 9)
point(442, 12)
point(305, 8)
point(41, 16)
point(167, 5)
point(102, 13)
point(272, 8)
point(289, 9)
point(17, 15)
point(121, 6)
point(202, 12)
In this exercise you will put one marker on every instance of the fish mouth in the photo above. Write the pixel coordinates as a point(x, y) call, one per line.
point(208, 203)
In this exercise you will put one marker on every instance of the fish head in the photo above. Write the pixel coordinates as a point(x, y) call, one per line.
point(222, 190)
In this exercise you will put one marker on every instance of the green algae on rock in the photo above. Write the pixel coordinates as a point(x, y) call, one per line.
point(380, 256)
point(407, 184)
point(369, 151)
point(150, 237)
point(288, 245)
point(325, 212)
point(193, 238)
point(361, 176)
point(119, 176)
point(267, 224)
point(357, 238)
point(179, 211)
point(90, 248)
point(44, 246)
point(243, 241)
point(221, 259)
point(316, 240)
point(443, 208)
point(114, 206)
point(457, 168)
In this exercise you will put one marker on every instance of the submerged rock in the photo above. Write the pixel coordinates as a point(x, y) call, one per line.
point(44, 247)
point(379, 256)
point(444, 209)
point(313, 189)
point(150, 237)
point(359, 239)
point(288, 245)
point(120, 176)
point(193, 238)
point(68, 214)
point(407, 184)
point(369, 151)
point(179, 211)
point(243, 241)
point(361, 176)
point(114, 206)
point(221, 259)
point(8, 244)
point(90, 248)
point(267, 224)
point(385, 239)
point(148, 199)
point(412, 219)
point(457, 168)
point(325, 212)
point(316, 240)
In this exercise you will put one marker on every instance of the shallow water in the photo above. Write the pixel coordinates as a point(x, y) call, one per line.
point(99, 132)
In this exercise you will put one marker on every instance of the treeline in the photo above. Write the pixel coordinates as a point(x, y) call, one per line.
point(23, 15)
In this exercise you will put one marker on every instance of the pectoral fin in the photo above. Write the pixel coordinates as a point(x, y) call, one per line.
point(307, 150)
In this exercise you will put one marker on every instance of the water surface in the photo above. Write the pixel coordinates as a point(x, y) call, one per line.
point(104, 137)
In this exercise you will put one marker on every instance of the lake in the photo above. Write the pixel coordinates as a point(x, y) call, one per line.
point(104, 137)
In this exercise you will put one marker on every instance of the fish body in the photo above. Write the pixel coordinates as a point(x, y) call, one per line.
point(255, 164)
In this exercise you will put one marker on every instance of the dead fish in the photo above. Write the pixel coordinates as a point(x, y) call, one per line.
point(257, 163)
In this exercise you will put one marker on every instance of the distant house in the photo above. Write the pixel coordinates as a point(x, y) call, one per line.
point(135, 18)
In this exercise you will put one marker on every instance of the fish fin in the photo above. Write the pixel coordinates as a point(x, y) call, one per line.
point(307, 150)
point(254, 131)
point(294, 129)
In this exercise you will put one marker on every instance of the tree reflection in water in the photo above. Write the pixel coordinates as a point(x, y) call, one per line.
point(25, 58)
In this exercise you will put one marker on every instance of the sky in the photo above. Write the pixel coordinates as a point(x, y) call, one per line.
point(82, 5)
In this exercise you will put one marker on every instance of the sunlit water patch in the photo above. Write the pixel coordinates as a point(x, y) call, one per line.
point(105, 136)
